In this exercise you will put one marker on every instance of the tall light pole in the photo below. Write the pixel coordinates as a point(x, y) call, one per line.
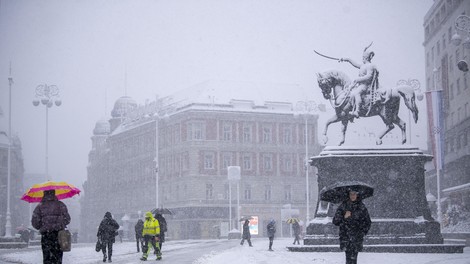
point(462, 24)
point(48, 95)
point(307, 108)
point(415, 84)
point(8, 216)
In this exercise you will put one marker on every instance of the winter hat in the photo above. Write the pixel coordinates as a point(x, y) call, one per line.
point(148, 215)
point(107, 215)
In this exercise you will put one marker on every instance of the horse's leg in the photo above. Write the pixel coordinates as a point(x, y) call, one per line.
point(330, 121)
point(402, 125)
point(344, 127)
point(388, 127)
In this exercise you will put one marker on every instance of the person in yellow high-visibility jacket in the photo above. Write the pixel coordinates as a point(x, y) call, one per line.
point(151, 233)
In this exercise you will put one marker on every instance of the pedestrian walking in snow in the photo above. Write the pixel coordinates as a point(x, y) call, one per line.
point(271, 231)
point(107, 235)
point(354, 222)
point(163, 228)
point(150, 234)
point(246, 233)
point(296, 229)
point(49, 217)
point(139, 227)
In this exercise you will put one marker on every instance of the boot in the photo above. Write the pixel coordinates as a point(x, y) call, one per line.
point(104, 258)
point(143, 258)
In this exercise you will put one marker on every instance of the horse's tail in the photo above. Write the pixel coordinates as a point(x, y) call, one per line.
point(408, 94)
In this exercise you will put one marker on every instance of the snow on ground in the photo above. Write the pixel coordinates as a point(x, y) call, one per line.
point(258, 254)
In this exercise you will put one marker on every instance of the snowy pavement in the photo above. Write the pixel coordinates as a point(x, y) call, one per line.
point(228, 252)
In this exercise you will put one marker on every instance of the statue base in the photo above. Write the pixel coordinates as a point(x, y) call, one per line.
point(399, 211)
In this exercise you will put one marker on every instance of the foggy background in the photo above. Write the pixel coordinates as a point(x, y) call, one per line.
point(96, 51)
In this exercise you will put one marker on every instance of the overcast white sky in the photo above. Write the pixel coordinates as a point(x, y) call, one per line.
point(86, 46)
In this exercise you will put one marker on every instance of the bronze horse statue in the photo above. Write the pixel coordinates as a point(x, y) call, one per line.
point(335, 86)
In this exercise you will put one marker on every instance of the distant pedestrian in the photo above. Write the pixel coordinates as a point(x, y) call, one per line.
point(163, 228)
point(150, 234)
point(139, 227)
point(107, 235)
point(296, 229)
point(49, 217)
point(271, 231)
point(246, 233)
point(354, 222)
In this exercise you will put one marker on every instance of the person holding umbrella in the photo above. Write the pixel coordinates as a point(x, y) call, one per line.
point(296, 229)
point(49, 217)
point(246, 233)
point(163, 228)
point(354, 223)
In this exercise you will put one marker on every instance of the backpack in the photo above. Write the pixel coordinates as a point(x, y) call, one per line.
point(65, 240)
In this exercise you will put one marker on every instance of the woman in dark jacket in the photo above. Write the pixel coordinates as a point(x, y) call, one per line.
point(246, 233)
point(354, 222)
point(49, 217)
point(106, 235)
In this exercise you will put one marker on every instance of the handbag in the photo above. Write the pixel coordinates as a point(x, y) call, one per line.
point(65, 240)
point(98, 246)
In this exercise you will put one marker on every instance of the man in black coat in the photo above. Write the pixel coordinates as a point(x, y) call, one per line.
point(354, 222)
point(246, 233)
point(49, 217)
point(106, 235)
point(163, 228)
point(139, 227)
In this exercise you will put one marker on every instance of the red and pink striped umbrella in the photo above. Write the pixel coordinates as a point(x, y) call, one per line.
point(63, 190)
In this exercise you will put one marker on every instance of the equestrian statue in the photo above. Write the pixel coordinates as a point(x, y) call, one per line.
point(363, 97)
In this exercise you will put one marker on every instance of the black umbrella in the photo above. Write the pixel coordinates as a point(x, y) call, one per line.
point(339, 191)
point(162, 211)
point(244, 218)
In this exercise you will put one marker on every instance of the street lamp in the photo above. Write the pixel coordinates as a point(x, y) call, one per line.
point(307, 108)
point(462, 23)
point(415, 84)
point(48, 95)
point(8, 216)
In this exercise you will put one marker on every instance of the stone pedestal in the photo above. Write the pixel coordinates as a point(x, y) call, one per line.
point(399, 210)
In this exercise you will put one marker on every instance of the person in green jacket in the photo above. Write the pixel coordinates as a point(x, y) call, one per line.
point(151, 234)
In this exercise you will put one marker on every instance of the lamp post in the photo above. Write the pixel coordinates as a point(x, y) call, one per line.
point(234, 175)
point(415, 84)
point(8, 215)
point(48, 95)
point(307, 108)
point(462, 24)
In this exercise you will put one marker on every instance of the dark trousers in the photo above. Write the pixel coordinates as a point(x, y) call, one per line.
point(271, 240)
point(107, 244)
point(247, 239)
point(51, 252)
point(140, 242)
point(351, 256)
point(146, 248)
point(297, 239)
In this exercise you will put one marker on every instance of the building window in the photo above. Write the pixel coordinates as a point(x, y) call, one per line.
point(287, 162)
point(226, 191)
point(438, 48)
point(457, 54)
point(465, 139)
point(449, 35)
point(459, 110)
point(458, 86)
point(247, 192)
point(287, 192)
point(247, 162)
point(209, 191)
point(247, 133)
point(444, 41)
point(287, 135)
point(185, 164)
point(451, 63)
point(227, 131)
point(465, 82)
point(208, 161)
point(267, 192)
point(267, 134)
point(427, 58)
point(226, 160)
point(466, 110)
point(451, 91)
point(195, 131)
point(267, 162)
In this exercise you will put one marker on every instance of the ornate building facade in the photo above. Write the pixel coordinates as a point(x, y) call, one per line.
point(18, 208)
point(194, 143)
point(442, 73)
